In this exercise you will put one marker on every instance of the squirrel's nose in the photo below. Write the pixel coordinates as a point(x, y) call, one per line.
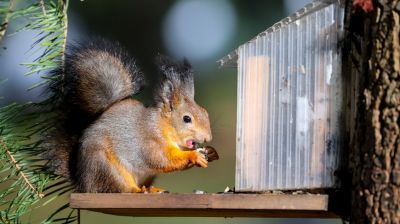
point(208, 138)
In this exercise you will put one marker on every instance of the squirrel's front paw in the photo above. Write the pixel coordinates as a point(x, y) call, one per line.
point(199, 160)
point(209, 153)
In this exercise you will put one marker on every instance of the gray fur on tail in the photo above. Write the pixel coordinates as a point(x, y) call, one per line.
point(104, 74)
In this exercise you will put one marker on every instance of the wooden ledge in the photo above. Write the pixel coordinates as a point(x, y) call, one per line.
point(205, 205)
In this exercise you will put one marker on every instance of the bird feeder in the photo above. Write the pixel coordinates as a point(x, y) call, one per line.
point(290, 102)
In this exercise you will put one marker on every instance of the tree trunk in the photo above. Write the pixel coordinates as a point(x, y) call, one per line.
point(374, 63)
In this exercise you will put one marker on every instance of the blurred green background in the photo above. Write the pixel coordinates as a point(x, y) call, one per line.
point(202, 31)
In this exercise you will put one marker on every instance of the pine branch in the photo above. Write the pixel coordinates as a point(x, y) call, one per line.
point(18, 168)
point(5, 22)
point(41, 2)
point(64, 4)
point(64, 45)
point(30, 181)
point(16, 154)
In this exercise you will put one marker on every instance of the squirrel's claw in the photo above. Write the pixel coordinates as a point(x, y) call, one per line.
point(201, 160)
point(153, 189)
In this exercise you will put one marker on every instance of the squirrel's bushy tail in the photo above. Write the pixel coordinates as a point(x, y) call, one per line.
point(98, 74)
point(95, 75)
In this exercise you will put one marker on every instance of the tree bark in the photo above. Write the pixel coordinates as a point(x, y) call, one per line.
point(374, 159)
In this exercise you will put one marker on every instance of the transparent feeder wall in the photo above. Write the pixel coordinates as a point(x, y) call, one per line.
point(290, 105)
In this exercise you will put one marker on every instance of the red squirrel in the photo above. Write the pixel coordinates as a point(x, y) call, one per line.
point(106, 141)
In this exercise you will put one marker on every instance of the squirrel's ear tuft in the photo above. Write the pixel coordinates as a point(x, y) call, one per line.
point(167, 95)
point(176, 81)
point(187, 66)
point(169, 67)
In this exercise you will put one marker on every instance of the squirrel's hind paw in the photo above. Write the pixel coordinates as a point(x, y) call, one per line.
point(153, 190)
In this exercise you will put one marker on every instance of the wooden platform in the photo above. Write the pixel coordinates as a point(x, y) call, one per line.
point(205, 205)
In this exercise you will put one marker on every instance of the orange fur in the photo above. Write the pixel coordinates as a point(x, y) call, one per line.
point(114, 161)
point(177, 158)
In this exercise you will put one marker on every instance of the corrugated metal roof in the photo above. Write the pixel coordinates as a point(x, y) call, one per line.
point(230, 60)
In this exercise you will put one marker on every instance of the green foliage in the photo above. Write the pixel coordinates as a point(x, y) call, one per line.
point(26, 182)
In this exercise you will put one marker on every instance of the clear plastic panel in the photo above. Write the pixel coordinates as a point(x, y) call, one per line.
point(290, 105)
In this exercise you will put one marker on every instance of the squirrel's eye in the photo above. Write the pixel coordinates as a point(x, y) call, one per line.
point(187, 119)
